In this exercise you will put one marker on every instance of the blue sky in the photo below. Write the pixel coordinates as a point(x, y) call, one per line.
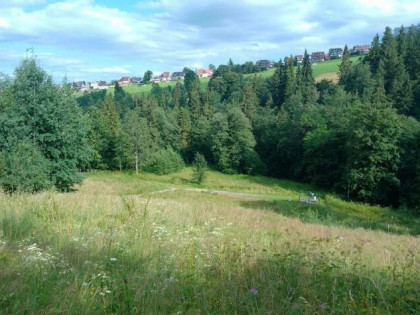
point(104, 40)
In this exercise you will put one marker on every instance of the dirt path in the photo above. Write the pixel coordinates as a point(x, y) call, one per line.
point(208, 191)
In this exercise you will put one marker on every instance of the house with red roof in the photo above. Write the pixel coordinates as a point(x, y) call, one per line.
point(204, 73)
point(165, 76)
point(124, 81)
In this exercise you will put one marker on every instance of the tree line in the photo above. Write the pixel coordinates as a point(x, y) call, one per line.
point(358, 137)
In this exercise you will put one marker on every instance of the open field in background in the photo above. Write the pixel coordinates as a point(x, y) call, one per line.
point(330, 66)
point(324, 70)
point(125, 243)
point(136, 89)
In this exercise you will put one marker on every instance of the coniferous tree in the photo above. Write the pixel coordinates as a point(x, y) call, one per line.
point(290, 76)
point(389, 57)
point(43, 121)
point(192, 87)
point(374, 56)
point(184, 121)
point(178, 95)
point(278, 83)
point(345, 70)
point(400, 91)
point(111, 150)
point(306, 82)
point(250, 102)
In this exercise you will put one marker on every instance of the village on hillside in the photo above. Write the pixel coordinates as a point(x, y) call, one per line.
point(315, 57)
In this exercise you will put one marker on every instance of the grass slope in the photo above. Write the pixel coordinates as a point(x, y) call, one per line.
point(326, 69)
point(148, 244)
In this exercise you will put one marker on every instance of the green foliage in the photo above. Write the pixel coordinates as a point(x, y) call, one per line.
point(92, 98)
point(373, 158)
point(345, 68)
point(48, 117)
point(199, 168)
point(147, 76)
point(23, 168)
point(231, 139)
point(164, 161)
point(123, 250)
point(110, 153)
point(137, 138)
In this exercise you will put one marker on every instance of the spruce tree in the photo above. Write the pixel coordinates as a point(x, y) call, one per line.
point(43, 121)
point(345, 70)
point(389, 57)
point(111, 150)
point(306, 82)
point(278, 85)
point(374, 56)
point(250, 102)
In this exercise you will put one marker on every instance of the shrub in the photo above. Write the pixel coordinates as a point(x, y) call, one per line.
point(164, 161)
point(24, 169)
point(199, 169)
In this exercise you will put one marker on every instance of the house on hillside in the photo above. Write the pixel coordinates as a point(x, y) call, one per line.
point(94, 85)
point(335, 53)
point(79, 85)
point(360, 50)
point(136, 80)
point(265, 63)
point(124, 81)
point(102, 85)
point(298, 59)
point(165, 76)
point(155, 80)
point(317, 56)
point(177, 76)
point(204, 73)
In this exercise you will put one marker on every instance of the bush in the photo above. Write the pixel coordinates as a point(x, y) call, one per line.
point(199, 169)
point(252, 163)
point(164, 161)
point(24, 169)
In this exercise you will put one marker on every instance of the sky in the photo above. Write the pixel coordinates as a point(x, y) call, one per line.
point(104, 40)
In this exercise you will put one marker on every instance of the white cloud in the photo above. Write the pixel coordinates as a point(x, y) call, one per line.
point(117, 70)
point(20, 3)
point(164, 34)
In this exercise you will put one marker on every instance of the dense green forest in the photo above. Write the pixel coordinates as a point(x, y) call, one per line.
point(359, 138)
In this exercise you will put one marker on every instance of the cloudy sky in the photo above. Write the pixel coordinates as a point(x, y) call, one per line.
point(105, 39)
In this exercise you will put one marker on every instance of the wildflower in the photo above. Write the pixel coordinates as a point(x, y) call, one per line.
point(254, 291)
point(107, 291)
point(84, 284)
point(322, 306)
point(113, 259)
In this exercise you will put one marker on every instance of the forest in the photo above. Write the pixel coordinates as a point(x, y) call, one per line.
point(359, 138)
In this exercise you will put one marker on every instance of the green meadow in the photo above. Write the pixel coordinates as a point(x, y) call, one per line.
point(238, 244)
point(326, 67)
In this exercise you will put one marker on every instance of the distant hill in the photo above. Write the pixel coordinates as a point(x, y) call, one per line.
point(323, 70)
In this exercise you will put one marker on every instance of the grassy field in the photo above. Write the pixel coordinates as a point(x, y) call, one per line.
point(324, 70)
point(147, 244)
point(136, 89)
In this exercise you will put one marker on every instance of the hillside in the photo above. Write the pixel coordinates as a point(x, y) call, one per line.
point(123, 243)
point(325, 70)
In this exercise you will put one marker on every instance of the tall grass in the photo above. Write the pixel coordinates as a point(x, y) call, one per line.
point(114, 246)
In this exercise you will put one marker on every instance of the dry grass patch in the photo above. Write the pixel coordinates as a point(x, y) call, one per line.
point(111, 247)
